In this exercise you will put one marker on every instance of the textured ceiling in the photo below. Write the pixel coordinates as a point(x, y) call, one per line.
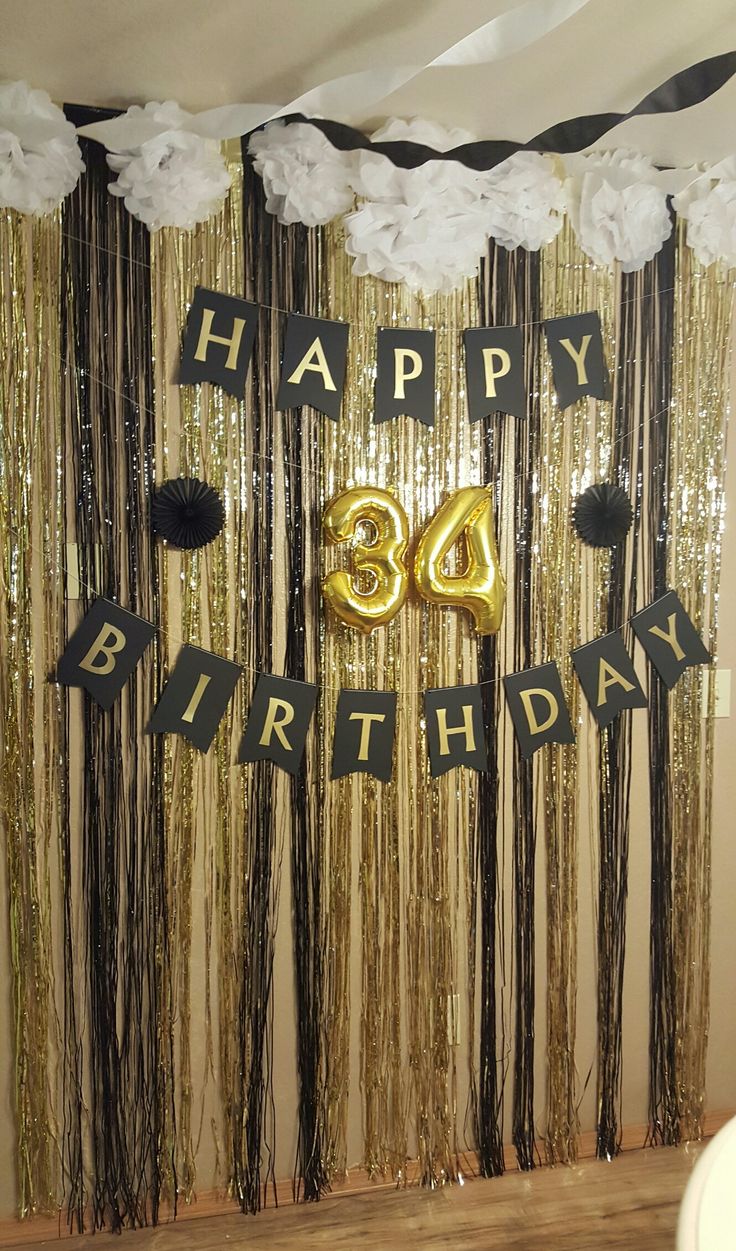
point(209, 52)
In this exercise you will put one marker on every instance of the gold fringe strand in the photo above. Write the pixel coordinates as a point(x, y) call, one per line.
point(703, 311)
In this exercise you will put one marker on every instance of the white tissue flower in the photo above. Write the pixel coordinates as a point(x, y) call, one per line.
point(176, 178)
point(618, 207)
point(708, 206)
point(40, 158)
point(305, 178)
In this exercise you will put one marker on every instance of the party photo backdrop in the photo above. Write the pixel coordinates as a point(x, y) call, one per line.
point(221, 975)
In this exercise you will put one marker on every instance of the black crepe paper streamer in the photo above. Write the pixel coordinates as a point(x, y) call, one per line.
point(684, 89)
point(602, 515)
point(187, 513)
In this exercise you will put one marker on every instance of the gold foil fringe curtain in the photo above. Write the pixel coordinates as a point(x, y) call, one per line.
point(398, 1020)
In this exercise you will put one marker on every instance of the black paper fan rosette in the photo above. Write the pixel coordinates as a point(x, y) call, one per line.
point(187, 513)
point(602, 515)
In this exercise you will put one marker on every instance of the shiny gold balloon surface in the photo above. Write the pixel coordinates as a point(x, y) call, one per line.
point(480, 586)
point(382, 559)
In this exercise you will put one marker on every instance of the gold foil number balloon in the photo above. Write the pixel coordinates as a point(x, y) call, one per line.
point(480, 586)
point(382, 558)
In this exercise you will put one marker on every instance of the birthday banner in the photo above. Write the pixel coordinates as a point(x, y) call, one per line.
point(103, 652)
point(220, 335)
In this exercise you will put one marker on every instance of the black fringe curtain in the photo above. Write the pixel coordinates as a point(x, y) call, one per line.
point(117, 1105)
point(486, 1086)
point(510, 293)
point(658, 329)
point(523, 306)
point(253, 1080)
point(278, 273)
point(300, 435)
point(629, 413)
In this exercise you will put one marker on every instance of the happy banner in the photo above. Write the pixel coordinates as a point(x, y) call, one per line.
point(104, 650)
point(220, 333)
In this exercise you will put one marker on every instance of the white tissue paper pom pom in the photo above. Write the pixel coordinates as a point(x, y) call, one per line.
point(618, 208)
point(176, 178)
point(708, 206)
point(523, 201)
point(40, 158)
point(424, 227)
point(305, 178)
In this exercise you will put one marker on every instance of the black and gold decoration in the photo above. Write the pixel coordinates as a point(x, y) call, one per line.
point(223, 725)
point(187, 513)
point(602, 515)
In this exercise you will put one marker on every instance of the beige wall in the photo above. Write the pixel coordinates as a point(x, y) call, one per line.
point(721, 1086)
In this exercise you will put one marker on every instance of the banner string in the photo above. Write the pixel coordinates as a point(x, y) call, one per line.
point(277, 460)
point(275, 308)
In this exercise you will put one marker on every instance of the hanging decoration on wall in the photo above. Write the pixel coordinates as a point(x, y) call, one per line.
point(218, 341)
point(455, 730)
point(187, 513)
point(478, 585)
point(405, 361)
point(607, 676)
point(365, 727)
point(166, 173)
point(195, 697)
point(602, 515)
point(40, 158)
point(379, 558)
point(106, 647)
point(538, 709)
point(220, 333)
point(494, 369)
point(104, 650)
point(669, 638)
point(314, 364)
point(617, 203)
point(578, 365)
point(278, 722)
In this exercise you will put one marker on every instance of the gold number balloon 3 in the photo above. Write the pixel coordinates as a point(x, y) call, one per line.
point(480, 586)
point(382, 558)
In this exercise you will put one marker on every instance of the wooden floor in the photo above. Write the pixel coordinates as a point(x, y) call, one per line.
point(628, 1205)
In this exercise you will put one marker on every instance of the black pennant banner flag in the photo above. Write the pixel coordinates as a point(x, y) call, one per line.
point(606, 673)
point(578, 365)
point(494, 369)
point(104, 650)
point(669, 638)
point(405, 375)
point(278, 722)
point(195, 697)
point(538, 710)
point(455, 730)
point(313, 369)
point(218, 341)
point(365, 727)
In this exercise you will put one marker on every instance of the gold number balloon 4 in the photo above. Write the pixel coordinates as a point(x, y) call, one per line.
point(480, 586)
point(382, 558)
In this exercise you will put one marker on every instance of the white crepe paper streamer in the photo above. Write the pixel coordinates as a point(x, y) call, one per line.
point(351, 95)
point(708, 205)
point(175, 178)
point(617, 202)
point(40, 158)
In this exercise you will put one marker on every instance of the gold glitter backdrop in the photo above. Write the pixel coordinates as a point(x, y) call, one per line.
point(400, 980)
